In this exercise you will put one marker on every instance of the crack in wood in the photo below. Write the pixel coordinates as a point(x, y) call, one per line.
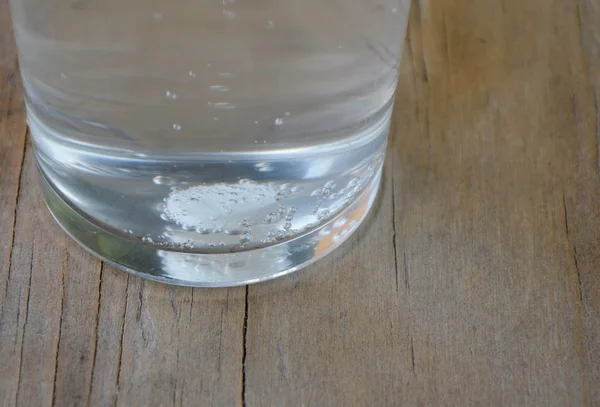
point(95, 347)
point(60, 325)
point(120, 361)
point(406, 273)
point(19, 373)
point(394, 232)
point(412, 354)
point(14, 222)
point(244, 350)
point(597, 117)
point(574, 249)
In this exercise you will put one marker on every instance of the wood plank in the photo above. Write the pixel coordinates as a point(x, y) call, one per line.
point(32, 307)
point(490, 198)
point(47, 308)
point(493, 299)
point(181, 346)
point(336, 333)
point(62, 331)
point(582, 193)
point(12, 146)
point(109, 337)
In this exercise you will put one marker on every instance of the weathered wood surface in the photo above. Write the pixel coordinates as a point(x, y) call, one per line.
point(476, 280)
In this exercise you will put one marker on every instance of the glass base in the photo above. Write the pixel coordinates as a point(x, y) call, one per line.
point(210, 270)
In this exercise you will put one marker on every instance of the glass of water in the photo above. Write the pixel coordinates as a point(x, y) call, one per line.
point(209, 142)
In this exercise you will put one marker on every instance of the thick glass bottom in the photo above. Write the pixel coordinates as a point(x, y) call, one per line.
point(210, 270)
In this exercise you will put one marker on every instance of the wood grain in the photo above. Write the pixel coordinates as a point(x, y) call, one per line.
point(475, 280)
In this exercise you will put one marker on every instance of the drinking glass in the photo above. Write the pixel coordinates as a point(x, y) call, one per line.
point(209, 142)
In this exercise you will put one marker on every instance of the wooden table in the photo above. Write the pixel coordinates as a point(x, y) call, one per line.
point(476, 280)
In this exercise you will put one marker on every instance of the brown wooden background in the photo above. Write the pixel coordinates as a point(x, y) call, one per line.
point(475, 282)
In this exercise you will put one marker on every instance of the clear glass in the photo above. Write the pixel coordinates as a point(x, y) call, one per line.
point(209, 142)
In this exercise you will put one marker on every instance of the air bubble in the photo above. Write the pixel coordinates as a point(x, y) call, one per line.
point(285, 187)
point(177, 127)
point(289, 218)
point(295, 189)
point(316, 192)
point(164, 216)
point(220, 88)
point(163, 180)
point(271, 217)
point(287, 226)
point(237, 264)
point(287, 114)
point(292, 210)
point(245, 238)
point(157, 17)
point(340, 222)
point(353, 182)
point(279, 196)
point(263, 167)
point(171, 95)
point(229, 15)
point(270, 25)
point(63, 76)
point(201, 267)
point(233, 232)
point(279, 121)
point(203, 231)
point(329, 184)
point(192, 74)
point(147, 239)
point(223, 105)
point(326, 230)
point(323, 214)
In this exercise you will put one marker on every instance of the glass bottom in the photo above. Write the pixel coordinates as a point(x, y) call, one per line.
point(210, 270)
